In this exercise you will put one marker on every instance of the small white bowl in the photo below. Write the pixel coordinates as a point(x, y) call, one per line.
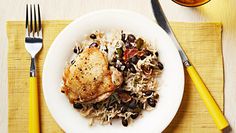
point(171, 82)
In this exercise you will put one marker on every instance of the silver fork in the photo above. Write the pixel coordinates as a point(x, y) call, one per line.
point(33, 44)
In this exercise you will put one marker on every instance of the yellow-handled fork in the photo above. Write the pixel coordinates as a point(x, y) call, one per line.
point(209, 101)
point(33, 44)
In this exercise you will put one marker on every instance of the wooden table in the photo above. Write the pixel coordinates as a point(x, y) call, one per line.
point(216, 11)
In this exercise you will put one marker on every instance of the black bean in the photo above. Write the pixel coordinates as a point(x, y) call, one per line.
point(128, 65)
point(157, 54)
point(131, 38)
point(147, 52)
point(118, 67)
point(151, 102)
point(114, 59)
point(124, 122)
point(123, 37)
point(132, 69)
point(148, 93)
point(121, 60)
point(77, 106)
point(160, 65)
point(128, 45)
point(134, 116)
point(94, 44)
point(93, 36)
point(142, 57)
point(140, 105)
point(124, 109)
point(75, 50)
point(132, 104)
point(134, 59)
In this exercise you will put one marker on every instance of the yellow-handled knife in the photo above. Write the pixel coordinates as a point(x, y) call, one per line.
point(210, 103)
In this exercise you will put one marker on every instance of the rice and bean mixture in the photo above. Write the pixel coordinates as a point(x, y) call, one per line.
point(140, 66)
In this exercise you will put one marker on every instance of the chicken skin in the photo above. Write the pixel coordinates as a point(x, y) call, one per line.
point(88, 80)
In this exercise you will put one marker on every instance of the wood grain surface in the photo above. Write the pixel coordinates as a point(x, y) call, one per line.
point(201, 41)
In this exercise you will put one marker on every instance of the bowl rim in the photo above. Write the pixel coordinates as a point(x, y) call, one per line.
point(186, 5)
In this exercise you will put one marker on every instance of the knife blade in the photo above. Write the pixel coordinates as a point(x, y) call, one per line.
point(162, 21)
point(207, 98)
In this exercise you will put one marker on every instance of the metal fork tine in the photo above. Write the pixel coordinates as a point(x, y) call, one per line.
point(39, 19)
point(31, 23)
point(35, 21)
point(26, 21)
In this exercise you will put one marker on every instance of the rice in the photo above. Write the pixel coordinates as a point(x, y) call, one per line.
point(139, 64)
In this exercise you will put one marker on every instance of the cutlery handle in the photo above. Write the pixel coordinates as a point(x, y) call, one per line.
point(33, 107)
point(210, 103)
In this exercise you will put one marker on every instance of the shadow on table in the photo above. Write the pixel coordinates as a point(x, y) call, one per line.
point(227, 130)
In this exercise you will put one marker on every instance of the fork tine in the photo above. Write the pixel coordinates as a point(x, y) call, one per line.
point(26, 21)
point(35, 21)
point(31, 23)
point(39, 19)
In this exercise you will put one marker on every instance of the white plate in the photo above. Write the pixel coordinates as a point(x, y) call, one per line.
point(171, 81)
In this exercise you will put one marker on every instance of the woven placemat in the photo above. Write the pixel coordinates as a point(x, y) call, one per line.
point(201, 41)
